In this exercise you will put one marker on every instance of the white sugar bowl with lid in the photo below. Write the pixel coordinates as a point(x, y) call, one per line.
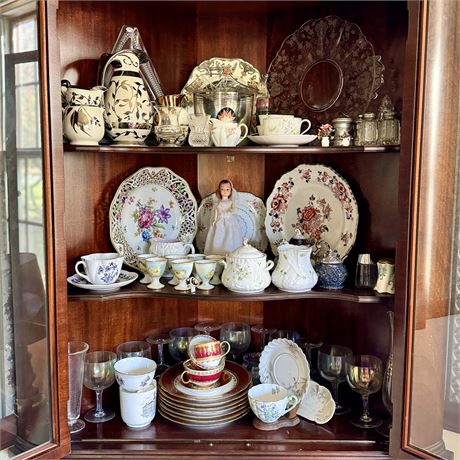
point(246, 270)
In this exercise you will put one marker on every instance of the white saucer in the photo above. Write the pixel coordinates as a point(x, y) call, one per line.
point(317, 405)
point(124, 279)
point(283, 140)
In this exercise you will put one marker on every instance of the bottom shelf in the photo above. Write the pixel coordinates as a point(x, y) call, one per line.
point(167, 440)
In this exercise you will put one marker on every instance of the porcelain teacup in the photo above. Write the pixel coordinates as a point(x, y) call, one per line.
point(201, 377)
point(227, 134)
point(269, 401)
point(155, 268)
point(206, 352)
point(135, 373)
point(284, 125)
point(100, 268)
point(138, 408)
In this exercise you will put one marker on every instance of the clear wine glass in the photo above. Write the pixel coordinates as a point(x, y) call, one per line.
point(160, 341)
point(208, 327)
point(332, 361)
point(99, 375)
point(134, 348)
point(365, 375)
point(262, 333)
point(310, 347)
point(178, 347)
point(238, 335)
point(76, 352)
point(285, 334)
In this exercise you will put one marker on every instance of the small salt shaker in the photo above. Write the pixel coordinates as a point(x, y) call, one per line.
point(366, 272)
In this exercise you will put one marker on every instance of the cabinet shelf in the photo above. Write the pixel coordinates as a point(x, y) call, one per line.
point(150, 150)
point(167, 440)
point(220, 293)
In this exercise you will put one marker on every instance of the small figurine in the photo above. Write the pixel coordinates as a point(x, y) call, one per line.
point(324, 134)
point(225, 234)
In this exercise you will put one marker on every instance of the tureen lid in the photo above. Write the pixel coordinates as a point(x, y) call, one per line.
point(247, 252)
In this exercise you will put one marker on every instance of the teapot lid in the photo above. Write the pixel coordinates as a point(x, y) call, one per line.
point(331, 257)
point(247, 252)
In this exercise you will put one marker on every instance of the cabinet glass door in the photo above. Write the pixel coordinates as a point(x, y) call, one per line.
point(25, 399)
point(432, 406)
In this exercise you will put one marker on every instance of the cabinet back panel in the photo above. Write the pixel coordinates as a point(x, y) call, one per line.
point(92, 179)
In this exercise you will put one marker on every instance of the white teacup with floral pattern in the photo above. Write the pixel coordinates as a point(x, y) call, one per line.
point(100, 268)
point(269, 401)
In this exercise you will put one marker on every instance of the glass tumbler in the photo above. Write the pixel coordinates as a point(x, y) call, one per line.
point(133, 349)
point(76, 352)
point(366, 272)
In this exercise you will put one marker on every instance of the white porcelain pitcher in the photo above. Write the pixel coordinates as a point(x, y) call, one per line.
point(294, 271)
point(128, 107)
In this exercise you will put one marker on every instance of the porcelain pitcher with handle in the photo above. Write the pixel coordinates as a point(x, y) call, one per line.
point(129, 112)
point(294, 271)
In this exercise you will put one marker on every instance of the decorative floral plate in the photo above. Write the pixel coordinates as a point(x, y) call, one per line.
point(151, 203)
point(283, 140)
point(343, 50)
point(318, 201)
point(124, 279)
point(212, 70)
point(250, 212)
point(283, 362)
point(318, 404)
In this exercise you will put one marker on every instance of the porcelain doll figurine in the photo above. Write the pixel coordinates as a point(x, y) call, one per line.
point(225, 234)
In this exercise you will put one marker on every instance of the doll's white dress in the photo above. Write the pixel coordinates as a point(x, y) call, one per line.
point(225, 234)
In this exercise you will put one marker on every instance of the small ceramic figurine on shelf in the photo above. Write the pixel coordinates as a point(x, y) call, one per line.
point(324, 134)
point(225, 234)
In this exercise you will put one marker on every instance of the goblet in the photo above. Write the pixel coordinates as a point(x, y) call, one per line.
point(205, 270)
point(155, 268)
point(262, 332)
point(238, 335)
point(332, 367)
point(99, 375)
point(365, 375)
point(178, 347)
point(251, 363)
point(76, 352)
point(160, 341)
point(285, 334)
point(208, 327)
point(182, 269)
point(310, 348)
point(141, 264)
point(134, 348)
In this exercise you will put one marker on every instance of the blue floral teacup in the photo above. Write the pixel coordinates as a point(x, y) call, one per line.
point(269, 401)
point(100, 268)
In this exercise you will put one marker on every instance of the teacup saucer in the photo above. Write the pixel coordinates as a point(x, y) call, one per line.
point(124, 279)
point(283, 140)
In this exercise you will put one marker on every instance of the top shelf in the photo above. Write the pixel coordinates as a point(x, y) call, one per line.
point(232, 150)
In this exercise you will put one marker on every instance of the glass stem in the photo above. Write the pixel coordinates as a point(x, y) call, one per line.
point(366, 417)
point(160, 354)
point(335, 393)
point(99, 411)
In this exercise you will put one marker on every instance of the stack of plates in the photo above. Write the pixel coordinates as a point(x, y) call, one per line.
point(224, 402)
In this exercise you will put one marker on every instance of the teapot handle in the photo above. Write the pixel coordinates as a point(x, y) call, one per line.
point(189, 246)
point(270, 265)
point(111, 59)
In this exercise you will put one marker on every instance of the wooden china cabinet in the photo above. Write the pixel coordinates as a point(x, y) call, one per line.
point(405, 198)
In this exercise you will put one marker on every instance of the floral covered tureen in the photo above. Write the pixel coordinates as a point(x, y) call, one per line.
point(246, 270)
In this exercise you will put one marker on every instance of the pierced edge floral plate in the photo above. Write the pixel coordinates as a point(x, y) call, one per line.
point(283, 140)
point(283, 362)
point(318, 405)
point(318, 201)
point(137, 215)
point(250, 211)
point(124, 279)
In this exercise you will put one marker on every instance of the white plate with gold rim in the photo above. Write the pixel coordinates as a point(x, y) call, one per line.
point(214, 391)
point(283, 362)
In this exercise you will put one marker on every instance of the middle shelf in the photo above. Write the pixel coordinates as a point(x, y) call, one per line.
point(220, 293)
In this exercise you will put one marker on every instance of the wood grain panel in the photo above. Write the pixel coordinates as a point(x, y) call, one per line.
point(246, 171)
point(244, 312)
